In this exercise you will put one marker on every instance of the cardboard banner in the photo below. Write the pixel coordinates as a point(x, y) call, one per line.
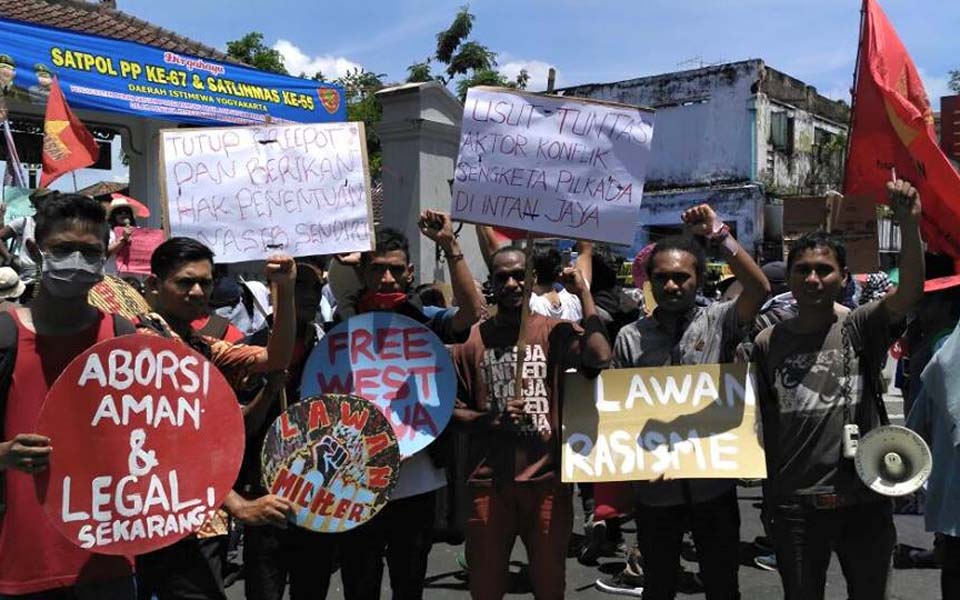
point(249, 192)
point(134, 258)
point(852, 219)
point(148, 439)
point(394, 362)
point(667, 422)
point(567, 167)
point(17, 204)
point(335, 457)
point(114, 295)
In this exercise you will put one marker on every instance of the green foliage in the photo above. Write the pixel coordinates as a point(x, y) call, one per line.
point(482, 77)
point(459, 30)
point(419, 72)
point(362, 105)
point(954, 81)
point(251, 50)
point(523, 78)
point(471, 57)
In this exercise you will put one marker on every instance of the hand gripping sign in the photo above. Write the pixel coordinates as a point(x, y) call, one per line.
point(148, 439)
point(335, 457)
point(394, 362)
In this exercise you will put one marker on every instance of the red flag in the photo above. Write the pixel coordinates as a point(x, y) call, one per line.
point(67, 145)
point(893, 129)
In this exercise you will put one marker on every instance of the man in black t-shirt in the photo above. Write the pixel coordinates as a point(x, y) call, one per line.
point(819, 372)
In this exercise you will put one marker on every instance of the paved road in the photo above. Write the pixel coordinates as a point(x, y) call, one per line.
point(445, 580)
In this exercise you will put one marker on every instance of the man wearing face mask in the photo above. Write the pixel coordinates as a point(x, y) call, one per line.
point(401, 532)
point(36, 344)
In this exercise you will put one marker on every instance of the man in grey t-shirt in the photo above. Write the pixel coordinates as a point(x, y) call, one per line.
point(818, 372)
point(681, 333)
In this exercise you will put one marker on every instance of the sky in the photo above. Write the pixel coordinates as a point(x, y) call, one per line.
point(587, 41)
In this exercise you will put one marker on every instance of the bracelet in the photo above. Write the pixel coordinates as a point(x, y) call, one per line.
point(723, 239)
point(452, 258)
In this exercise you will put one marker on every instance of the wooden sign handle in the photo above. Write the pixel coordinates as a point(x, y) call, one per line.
point(522, 338)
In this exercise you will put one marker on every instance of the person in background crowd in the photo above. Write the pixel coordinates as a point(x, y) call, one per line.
point(936, 417)
point(119, 214)
point(39, 341)
point(817, 373)
point(21, 231)
point(402, 531)
point(515, 482)
point(246, 312)
point(680, 332)
point(273, 556)
point(11, 288)
point(549, 298)
point(932, 321)
point(179, 289)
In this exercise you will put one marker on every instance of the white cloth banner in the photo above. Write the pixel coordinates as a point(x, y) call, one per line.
point(566, 167)
point(249, 192)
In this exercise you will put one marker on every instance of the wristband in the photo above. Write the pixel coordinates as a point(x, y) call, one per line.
point(721, 237)
point(452, 258)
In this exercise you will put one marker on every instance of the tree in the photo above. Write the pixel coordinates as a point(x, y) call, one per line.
point(955, 81)
point(361, 87)
point(251, 50)
point(466, 63)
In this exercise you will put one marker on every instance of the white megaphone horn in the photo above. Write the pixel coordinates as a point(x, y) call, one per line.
point(893, 460)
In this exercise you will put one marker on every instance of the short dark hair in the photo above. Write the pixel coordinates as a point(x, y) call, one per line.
point(505, 250)
point(388, 240)
point(546, 264)
point(176, 252)
point(681, 243)
point(814, 240)
point(55, 208)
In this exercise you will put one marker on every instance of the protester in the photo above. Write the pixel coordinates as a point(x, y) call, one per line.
point(179, 287)
point(682, 333)
point(19, 256)
point(119, 214)
point(37, 342)
point(936, 416)
point(817, 373)
point(515, 482)
point(273, 556)
point(402, 530)
point(11, 288)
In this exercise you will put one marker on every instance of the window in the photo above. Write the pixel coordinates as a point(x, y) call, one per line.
point(823, 142)
point(781, 132)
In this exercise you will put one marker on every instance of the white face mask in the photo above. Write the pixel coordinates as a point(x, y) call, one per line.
point(70, 275)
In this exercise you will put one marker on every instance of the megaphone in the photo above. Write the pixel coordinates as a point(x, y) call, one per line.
point(893, 460)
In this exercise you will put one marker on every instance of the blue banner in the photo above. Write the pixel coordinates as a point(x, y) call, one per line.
point(102, 74)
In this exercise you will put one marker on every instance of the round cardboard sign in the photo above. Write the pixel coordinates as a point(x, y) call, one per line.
point(394, 362)
point(147, 441)
point(335, 457)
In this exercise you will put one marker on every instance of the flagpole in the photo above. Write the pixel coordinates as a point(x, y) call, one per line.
point(12, 155)
point(853, 93)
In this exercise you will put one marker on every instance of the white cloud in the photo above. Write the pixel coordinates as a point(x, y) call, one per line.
point(297, 61)
point(537, 69)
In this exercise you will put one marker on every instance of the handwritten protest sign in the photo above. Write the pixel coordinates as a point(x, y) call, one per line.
point(134, 257)
point(248, 192)
point(394, 362)
point(114, 295)
point(670, 422)
point(148, 439)
point(560, 166)
point(335, 458)
point(17, 203)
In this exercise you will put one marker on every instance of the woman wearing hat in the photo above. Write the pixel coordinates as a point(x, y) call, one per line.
point(119, 214)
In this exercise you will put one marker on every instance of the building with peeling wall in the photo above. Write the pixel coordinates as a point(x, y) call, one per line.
point(738, 135)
